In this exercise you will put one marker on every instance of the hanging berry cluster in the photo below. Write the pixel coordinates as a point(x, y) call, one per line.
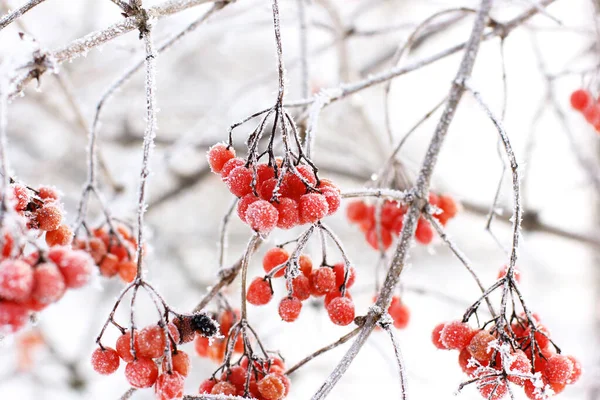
point(493, 366)
point(583, 101)
point(267, 380)
point(215, 348)
point(112, 251)
point(392, 216)
point(269, 199)
point(30, 284)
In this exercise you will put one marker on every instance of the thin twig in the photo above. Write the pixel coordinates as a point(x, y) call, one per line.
point(18, 13)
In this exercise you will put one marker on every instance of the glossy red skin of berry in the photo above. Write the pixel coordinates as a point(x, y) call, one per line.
point(424, 232)
point(169, 386)
point(313, 207)
point(141, 373)
point(341, 311)
point(109, 266)
point(340, 274)
point(289, 213)
point(289, 309)
point(151, 341)
point(16, 280)
point(218, 155)
point(356, 211)
point(580, 99)
point(305, 264)
point(105, 361)
point(127, 271)
point(243, 205)
point(478, 347)
point(323, 280)
point(230, 166)
point(63, 236)
point(49, 284)
point(400, 313)
point(273, 258)
point(259, 292)
point(301, 287)
point(49, 217)
point(262, 216)
point(263, 173)
point(271, 387)
point(333, 198)
point(123, 346)
point(456, 335)
point(206, 386)
point(13, 316)
point(386, 238)
point(239, 181)
point(558, 369)
point(266, 188)
point(181, 363)
point(224, 388)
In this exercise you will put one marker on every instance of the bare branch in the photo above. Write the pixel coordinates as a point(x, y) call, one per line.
point(18, 13)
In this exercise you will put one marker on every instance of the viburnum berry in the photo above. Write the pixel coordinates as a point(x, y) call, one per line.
point(263, 173)
point(218, 155)
point(206, 386)
point(271, 387)
point(236, 376)
point(181, 362)
point(341, 311)
point(478, 347)
point(323, 280)
point(48, 283)
point(141, 373)
point(151, 341)
point(313, 207)
point(63, 236)
point(16, 280)
point(239, 181)
point(332, 295)
point(592, 114)
point(224, 388)
point(7, 244)
point(577, 370)
point(305, 264)
point(259, 292)
point(465, 363)
point(333, 198)
point(97, 249)
point(289, 213)
point(301, 287)
point(262, 216)
point(532, 391)
point(227, 319)
point(21, 197)
point(230, 166)
point(201, 345)
point(424, 231)
point(436, 336)
point(48, 217)
point(47, 193)
point(356, 211)
point(340, 274)
point(169, 386)
point(581, 99)
point(273, 258)
point(123, 346)
point(373, 240)
point(558, 369)
point(456, 335)
point(76, 267)
point(127, 271)
point(519, 365)
point(13, 316)
point(105, 361)
point(289, 309)
point(243, 204)
point(292, 186)
point(492, 388)
point(109, 266)
point(400, 313)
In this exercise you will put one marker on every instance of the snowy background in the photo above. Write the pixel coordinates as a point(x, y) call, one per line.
point(224, 71)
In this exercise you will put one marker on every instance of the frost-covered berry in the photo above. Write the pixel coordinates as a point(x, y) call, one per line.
point(141, 373)
point(301, 287)
point(273, 258)
point(289, 309)
point(259, 292)
point(492, 388)
point(465, 363)
point(340, 274)
point(151, 341)
point(305, 264)
point(48, 284)
point(123, 346)
point(16, 280)
point(230, 166)
point(263, 173)
point(400, 314)
point(239, 181)
point(21, 197)
point(424, 231)
point(341, 311)
point(262, 216)
point(580, 99)
point(289, 213)
point(105, 361)
point(456, 335)
point(313, 207)
point(236, 376)
point(558, 369)
point(335, 294)
point(271, 387)
point(436, 336)
point(323, 280)
point(519, 365)
point(218, 155)
point(47, 193)
point(13, 316)
point(63, 236)
point(76, 266)
point(333, 198)
point(169, 386)
point(266, 188)
point(206, 386)
point(224, 388)
point(243, 204)
point(577, 370)
point(49, 217)
point(479, 348)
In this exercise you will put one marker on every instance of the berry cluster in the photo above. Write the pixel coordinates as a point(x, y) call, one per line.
point(392, 218)
point(215, 349)
point(148, 364)
point(268, 200)
point(112, 251)
point(583, 101)
point(481, 359)
point(331, 282)
point(399, 312)
point(267, 380)
point(29, 284)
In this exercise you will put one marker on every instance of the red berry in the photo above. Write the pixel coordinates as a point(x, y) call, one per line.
point(224, 388)
point(230, 166)
point(333, 198)
point(109, 266)
point(448, 206)
point(16, 280)
point(13, 316)
point(323, 280)
point(558, 369)
point(218, 155)
point(49, 284)
point(436, 336)
point(262, 216)
point(356, 211)
point(289, 309)
point(479, 346)
point(271, 387)
point(274, 258)
point(301, 287)
point(207, 386)
point(313, 207)
point(123, 346)
point(151, 341)
point(464, 360)
point(63, 236)
point(201, 345)
point(7, 245)
point(341, 311)
point(289, 213)
point(266, 188)
point(400, 313)
point(577, 370)
point(21, 197)
point(48, 217)
point(533, 392)
point(169, 386)
point(305, 264)
point(424, 232)
point(141, 373)
point(456, 335)
point(340, 275)
point(239, 181)
point(105, 361)
point(47, 193)
point(592, 114)
point(263, 173)
point(386, 238)
point(492, 388)
point(581, 99)
point(227, 319)
point(259, 292)
point(520, 365)
point(181, 363)
point(236, 376)
point(292, 186)
point(243, 204)
point(335, 294)
point(76, 266)
point(127, 271)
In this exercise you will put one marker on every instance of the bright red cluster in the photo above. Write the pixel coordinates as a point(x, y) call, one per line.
point(112, 251)
point(476, 350)
point(30, 284)
point(267, 380)
point(215, 349)
point(323, 281)
point(300, 198)
point(149, 366)
point(583, 101)
point(392, 219)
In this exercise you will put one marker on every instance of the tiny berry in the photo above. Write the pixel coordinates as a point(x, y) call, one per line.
point(236, 376)
point(230, 166)
point(224, 388)
point(333, 198)
point(292, 186)
point(400, 313)
point(373, 239)
point(123, 346)
point(105, 361)
point(580, 99)
point(151, 341)
point(479, 346)
point(289, 309)
point(577, 370)
point(109, 266)
point(259, 292)
point(262, 216)
point(356, 211)
point(48, 217)
point(456, 335)
point(305, 264)
point(424, 232)
point(592, 114)
point(341, 311)
point(239, 181)
point(206, 386)
point(63, 236)
point(271, 387)
point(141, 373)
point(47, 193)
point(218, 155)
point(313, 207)
point(49, 284)
point(465, 362)
point(21, 197)
point(264, 173)
point(323, 280)
point(332, 295)
point(16, 280)
point(520, 365)
point(201, 345)
point(273, 258)
point(243, 204)
point(289, 213)
point(558, 369)
point(127, 271)
point(75, 265)
point(169, 386)
point(533, 392)
point(227, 319)
point(301, 287)
point(266, 188)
